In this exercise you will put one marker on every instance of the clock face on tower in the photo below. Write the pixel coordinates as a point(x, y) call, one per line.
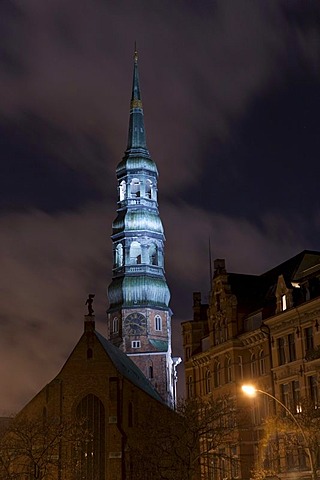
point(135, 324)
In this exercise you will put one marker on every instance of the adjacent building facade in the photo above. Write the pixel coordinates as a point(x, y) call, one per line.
point(262, 330)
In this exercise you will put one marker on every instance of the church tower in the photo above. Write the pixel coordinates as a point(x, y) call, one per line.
point(139, 317)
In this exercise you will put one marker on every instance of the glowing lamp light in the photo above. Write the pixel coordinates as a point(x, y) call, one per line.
point(249, 390)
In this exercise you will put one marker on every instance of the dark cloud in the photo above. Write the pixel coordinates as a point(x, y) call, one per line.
point(231, 97)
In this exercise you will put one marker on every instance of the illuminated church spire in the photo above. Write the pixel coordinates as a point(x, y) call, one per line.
point(139, 317)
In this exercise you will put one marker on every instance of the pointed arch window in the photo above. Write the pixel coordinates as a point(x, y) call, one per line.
point(91, 462)
point(135, 187)
point(135, 253)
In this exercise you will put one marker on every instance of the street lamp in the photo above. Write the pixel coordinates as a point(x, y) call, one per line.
point(251, 391)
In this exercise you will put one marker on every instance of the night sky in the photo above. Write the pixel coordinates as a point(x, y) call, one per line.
point(231, 96)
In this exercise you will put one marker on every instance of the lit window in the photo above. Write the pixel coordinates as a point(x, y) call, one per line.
point(135, 344)
point(283, 302)
point(158, 323)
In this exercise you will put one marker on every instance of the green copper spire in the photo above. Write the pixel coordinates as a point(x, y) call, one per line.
point(137, 135)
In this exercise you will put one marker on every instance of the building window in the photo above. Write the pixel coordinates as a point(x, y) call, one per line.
point(283, 302)
point(158, 323)
point(115, 325)
point(225, 330)
point(91, 451)
point(240, 366)
point(296, 396)
point(150, 371)
point(292, 347)
point(208, 381)
point(314, 391)
point(234, 462)
point(228, 370)
point(190, 387)
point(281, 351)
point(135, 344)
point(262, 363)
point(253, 365)
point(188, 353)
point(308, 335)
point(284, 392)
point(216, 374)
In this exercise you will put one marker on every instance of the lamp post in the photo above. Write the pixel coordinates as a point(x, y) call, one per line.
point(250, 390)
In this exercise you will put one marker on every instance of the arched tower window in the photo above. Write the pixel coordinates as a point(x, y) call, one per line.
point(148, 189)
point(153, 254)
point(135, 187)
point(91, 464)
point(157, 323)
point(119, 255)
point(122, 190)
point(135, 252)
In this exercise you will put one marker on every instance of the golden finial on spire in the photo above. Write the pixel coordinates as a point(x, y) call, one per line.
point(135, 52)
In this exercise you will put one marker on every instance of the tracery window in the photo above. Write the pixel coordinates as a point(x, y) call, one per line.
point(91, 464)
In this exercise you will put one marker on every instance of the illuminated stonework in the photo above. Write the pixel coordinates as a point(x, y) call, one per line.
point(138, 294)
